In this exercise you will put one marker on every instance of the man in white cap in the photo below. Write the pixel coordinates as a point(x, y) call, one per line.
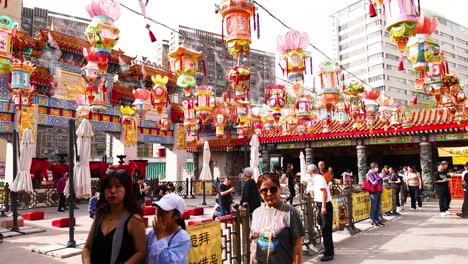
point(168, 242)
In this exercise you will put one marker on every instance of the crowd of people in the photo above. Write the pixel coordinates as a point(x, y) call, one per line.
point(118, 232)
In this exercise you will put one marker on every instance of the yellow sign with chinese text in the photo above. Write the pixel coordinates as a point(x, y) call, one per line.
point(459, 160)
point(386, 201)
point(361, 206)
point(206, 243)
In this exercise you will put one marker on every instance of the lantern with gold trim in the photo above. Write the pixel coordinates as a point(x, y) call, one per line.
point(205, 102)
point(276, 99)
point(102, 34)
point(385, 110)
point(21, 88)
point(160, 97)
point(239, 76)
point(236, 16)
point(434, 77)
point(371, 107)
point(407, 119)
point(292, 47)
point(164, 123)
point(190, 119)
point(421, 46)
point(83, 108)
point(129, 125)
point(341, 112)
point(220, 122)
point(141, 102)
point(354, 89)
point(329, 94)
point(7, 35)
point(402, 17)
point(185, 65)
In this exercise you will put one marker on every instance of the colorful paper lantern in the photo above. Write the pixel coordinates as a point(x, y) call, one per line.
point(236, 16)
point(141, 103)
point(21, 89)
point(205, 102)
point(83, 108)
point(7, 35)
point(402, 17)
point(220, 122)
point(185, 65)
point(160, 96)
point(292, 47)
point(329, 94)
point(240, 77)
point(371, 107)
point(164, 123)
point(190, 120)
point(385, 110)
point(276, 99)
point(341, 114)
point(102, 34)
point(354, 89)
point(421, 46)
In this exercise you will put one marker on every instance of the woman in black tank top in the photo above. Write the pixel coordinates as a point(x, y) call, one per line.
point(118, 232)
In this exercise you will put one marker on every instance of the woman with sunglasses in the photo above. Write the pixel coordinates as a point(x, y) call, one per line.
point(117, 234)
point(168, 242)
point(276, 229)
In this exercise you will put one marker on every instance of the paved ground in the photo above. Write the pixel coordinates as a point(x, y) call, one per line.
point(420, 236)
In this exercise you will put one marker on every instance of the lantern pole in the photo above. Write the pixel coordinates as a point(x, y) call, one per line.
point(71, 206)
point(14, 195)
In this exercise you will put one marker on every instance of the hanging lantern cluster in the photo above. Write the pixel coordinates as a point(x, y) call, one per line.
point(21, 89)
point(355, 105)
point(159, 95)
point(102, 34)
point(329, 94)
point(304, 112)
point(184, 63)
point(240, 77)
point(243, 109)
point(7, 36)
point(292, 48)
point(421, 47)
point(371, 107)
point(386, 106)
point(204, 102)
point(190, 119)
point(236, 16)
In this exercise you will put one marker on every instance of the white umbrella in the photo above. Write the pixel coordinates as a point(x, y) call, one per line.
point(255, 156)
point(22, 181)
point(205, 174)
point(82, 174)
point(302, 161)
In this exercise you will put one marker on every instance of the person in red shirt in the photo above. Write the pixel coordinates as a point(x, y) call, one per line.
point(60, 188)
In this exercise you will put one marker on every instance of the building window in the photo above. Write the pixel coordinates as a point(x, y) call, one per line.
point(393, 78)
point(376, 67)
point(375, 34)
point(380, 88)
point(391, 67)
point(446, 35)
point(377, 78)
point(374, 45)
point(449, 54)
point(376, 56)
point(397, 90)
point(392, 57)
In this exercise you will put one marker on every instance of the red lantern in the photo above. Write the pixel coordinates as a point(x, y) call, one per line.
point(236, 16)
point(164, 123)
point(141, 101)
point(205, 102)
point(160, 95)
point(276, 97)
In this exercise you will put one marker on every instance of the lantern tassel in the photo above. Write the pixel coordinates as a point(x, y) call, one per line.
point(169, 66)
point(258, 26)
point(281, 67)
point(151, 35)
point(313, 84)
point(415, 100)
point(222, 31)
point(204, 68)
point(254, 21)
point(447, 67)
point(401, 66)
point(372, 12)
point(311, 65)
point(305, 68)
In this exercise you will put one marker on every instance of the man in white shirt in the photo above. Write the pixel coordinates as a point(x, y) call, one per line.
point(320, 193)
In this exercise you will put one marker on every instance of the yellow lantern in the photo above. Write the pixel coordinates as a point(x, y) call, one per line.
point(185, 65)
point(159, 93)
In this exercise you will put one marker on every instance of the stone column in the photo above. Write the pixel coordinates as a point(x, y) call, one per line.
point(196, 165)
point(309, 155)
point(425, 156)
point(362, 163)
point(266, 159)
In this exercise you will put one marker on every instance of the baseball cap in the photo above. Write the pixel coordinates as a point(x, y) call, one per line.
point(248, 172)
point(170, 202)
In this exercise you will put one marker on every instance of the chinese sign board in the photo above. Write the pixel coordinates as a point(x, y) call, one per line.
point(206, 243)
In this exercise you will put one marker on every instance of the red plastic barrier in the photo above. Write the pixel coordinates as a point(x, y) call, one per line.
point(62, 222)
point(32, 216)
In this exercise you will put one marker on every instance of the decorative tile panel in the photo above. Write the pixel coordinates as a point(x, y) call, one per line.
point(156, 139)
point(6, 127)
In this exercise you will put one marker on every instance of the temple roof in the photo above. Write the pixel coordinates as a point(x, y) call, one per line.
point(423, 122)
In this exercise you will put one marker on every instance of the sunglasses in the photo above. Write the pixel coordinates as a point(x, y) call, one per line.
point(273, 190)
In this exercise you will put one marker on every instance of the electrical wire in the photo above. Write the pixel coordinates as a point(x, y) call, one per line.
point(152, 20)
point(310, 44)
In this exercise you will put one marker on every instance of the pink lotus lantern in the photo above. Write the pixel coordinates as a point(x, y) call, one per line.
point(292, 47)
point(205, 103)
point(141, 101)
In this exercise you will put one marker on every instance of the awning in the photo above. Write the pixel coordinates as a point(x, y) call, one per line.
point(452, 151)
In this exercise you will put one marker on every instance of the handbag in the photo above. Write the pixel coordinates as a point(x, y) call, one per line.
point(369, 187)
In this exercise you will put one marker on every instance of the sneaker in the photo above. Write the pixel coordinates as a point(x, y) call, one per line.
point(448, 213)
point(380, 223)
point(398, 209)
point(443, 214)
point(373, 223)
point(326, 258)
point(60, 210)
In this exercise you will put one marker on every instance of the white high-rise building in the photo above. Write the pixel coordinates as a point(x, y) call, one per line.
point(363, 46)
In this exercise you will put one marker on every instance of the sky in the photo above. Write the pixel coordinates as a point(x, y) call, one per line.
point(311, 16)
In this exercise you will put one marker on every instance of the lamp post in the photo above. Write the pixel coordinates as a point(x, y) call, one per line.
point(71, 148)
point(14, 195)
